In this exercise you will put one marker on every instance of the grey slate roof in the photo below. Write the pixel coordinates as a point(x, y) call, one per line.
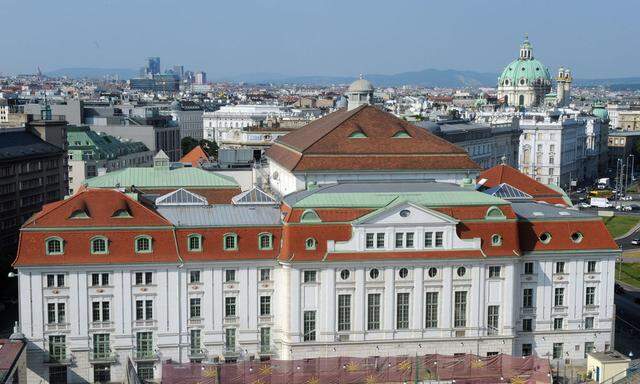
point(540, 211)
point(17, 144)
point(224, 215)
point(507, 192)
point(254, 196)
point(373, 186)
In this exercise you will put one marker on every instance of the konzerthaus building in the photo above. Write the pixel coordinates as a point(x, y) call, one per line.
point(348, 268)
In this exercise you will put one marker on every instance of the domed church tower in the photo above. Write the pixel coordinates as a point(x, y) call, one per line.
point(360, 92)
point(525, 81)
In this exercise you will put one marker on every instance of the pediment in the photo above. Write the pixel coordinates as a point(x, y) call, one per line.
point(405, 214)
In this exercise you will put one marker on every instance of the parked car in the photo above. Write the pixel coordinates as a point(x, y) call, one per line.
point(618, 289)
point(626, 198)
point(584, 205)
point(635, 241)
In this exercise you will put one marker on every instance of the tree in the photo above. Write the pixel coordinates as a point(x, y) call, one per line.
point(210, 147)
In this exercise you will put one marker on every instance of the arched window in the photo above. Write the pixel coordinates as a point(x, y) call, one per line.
point(143, 244)
point(310, 216)
point(99, 245)
point(230, 242)
point(521, 100)
point(265, 241)
point(54, 246)
point(194, 242)
point(310, 244)
point(494, 213)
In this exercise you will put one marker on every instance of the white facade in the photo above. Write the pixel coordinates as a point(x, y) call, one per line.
point(552, 148)
point(415, 305)
point(216, 123)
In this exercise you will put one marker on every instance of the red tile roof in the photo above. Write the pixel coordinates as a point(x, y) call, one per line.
point(195, 157)
point(10, 352)
point(325, 144)
point(503, 173)
point(406, 255)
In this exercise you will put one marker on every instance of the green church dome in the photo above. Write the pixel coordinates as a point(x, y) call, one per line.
point(600, 111)
point(525, 71)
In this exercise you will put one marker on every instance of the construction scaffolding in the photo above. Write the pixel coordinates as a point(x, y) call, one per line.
point(432, 368)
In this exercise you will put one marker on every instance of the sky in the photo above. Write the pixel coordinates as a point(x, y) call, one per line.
point(321, 37)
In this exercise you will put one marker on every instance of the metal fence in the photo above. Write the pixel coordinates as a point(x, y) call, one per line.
point(460, 369)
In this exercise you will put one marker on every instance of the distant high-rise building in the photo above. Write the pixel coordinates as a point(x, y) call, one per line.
point(179, 71)
point(201, 78)
point(153, 65)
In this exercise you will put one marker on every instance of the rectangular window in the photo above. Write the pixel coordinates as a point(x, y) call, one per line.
point(101, 347)
point(230, 339)
point(528, 268)
point(399, 239)
point(493, 317)
point(194, 243)
point(139, 278)
point(100, 311)
point(51, 281)
point(139, 309)
point(590, 296)
point(145, 371)
point(409, 240)
point(494, 271)
point(380, 240)
point(144, 278)
point(526, 350)
point(95, 279)
point(57, 348)
point(557, 350)
point(265, 274)
point(194, 307)
point(265, 305)
point(588, 323)
point(229, 306)
point(265, 339)
point(558, 298)
point(310, 276)
point(439, 239)
point(526, 325)
point(309, 326)
point(344, 313)
point(373, 311)
point(431, 309)
point(229, 275)
point(589, 347)
point(557, 323)
point(560, 267)
point(194, 276)
point(144, 344)
point(460, 309)
point(195, 342)
point(148, 309)
point(527, 298)
point(402, 311)
point(51, 313)
point(60, 280)
point(591, 266)
point(370, 242)
point(428, 239)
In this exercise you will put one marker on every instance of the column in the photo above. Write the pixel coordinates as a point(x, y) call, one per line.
point(389, 303)
point(360, 305)
point(328, 304)
point(446, 300)
point(418, 299)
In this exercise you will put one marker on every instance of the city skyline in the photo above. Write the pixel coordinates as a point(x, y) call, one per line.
point(327, 38)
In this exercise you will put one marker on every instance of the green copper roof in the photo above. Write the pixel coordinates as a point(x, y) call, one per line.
point(86, 144)
point(162, 177)
point(378, 200)
point(600, 111)
point(530, 70)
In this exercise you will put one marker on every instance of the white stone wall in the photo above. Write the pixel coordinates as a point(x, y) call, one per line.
point(291, 296)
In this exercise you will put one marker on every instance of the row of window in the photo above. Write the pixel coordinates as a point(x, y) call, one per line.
point(404, 240)
point(559, 297)
point(144, 243)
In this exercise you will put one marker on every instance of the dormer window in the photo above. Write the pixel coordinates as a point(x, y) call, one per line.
point(265, 241)
point(230, 242)
point(121, 213)
point(358, 135)
point(143, 244)
point(402, 134)
point(54, 246)
point(79, 214)
point(496, 240)
point(99, 245)
point(310, 216)
point(194, 243)
point(310, 244)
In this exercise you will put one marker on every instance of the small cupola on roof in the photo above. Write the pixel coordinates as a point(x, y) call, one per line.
point(360, 92)
point(526, 52)
point(161, 160)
